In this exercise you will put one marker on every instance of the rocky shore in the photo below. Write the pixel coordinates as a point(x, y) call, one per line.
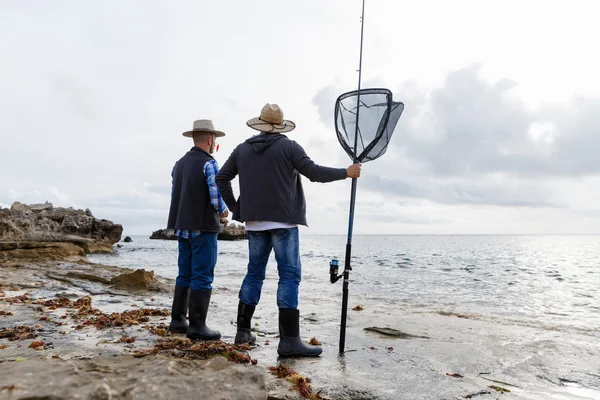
point(74, 329)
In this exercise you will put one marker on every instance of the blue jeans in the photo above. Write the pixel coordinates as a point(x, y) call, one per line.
point(287, 253)
point(197, 260)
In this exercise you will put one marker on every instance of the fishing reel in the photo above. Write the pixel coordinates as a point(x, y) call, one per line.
point(334, 267)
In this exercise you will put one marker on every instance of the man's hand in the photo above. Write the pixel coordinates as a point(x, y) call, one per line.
point(224, 215)
point(353, 171)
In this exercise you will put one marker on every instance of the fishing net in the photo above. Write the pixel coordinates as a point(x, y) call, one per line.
point(377, 116)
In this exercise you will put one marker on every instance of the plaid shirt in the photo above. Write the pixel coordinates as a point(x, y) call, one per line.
point(211, 169)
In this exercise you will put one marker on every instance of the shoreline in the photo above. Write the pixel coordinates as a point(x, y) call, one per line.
point(375, 366)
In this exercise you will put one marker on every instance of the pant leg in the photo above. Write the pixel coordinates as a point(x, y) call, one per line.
point(204, 259)
point(184, 263)
point(287, 253)
point(259, 249)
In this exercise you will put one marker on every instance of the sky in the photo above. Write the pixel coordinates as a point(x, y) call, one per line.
point(499, 135)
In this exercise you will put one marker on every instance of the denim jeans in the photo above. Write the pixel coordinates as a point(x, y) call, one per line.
point(287, 254)
point(197, 260)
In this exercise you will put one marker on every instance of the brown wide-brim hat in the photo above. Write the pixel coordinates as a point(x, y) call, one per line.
point(271, 120)
point(203, 125)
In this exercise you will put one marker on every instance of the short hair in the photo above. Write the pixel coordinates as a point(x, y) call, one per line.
point(201, 136)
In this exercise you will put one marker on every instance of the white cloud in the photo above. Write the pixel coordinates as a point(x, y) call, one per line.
point(94, 106)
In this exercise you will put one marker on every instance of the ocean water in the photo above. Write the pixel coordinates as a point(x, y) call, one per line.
point(531, 280)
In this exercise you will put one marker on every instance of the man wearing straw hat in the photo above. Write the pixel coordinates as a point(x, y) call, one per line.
point(272, 205)
point(196, 207)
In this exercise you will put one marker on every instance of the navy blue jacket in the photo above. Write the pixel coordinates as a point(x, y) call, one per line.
point(269, 167)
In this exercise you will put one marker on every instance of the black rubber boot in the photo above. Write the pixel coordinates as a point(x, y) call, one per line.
point(244, 316)
point(179, 311)
point(290, 344)
point(199, 302)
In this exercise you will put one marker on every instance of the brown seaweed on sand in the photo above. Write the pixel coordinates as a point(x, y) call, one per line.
point(299, 382)
point(20, 332)
point(186, 349)
point(314, 341)
point(125, 318)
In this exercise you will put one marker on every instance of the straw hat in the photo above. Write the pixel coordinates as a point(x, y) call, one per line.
point(203, 125)
point(271, 120)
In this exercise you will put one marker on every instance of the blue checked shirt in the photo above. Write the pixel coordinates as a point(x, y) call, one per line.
point(211, 169)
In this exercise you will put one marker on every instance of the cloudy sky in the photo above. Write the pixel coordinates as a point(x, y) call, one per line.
point(500, 134)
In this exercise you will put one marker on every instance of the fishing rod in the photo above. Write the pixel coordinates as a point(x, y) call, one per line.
point(334, 265)
point(386, 113)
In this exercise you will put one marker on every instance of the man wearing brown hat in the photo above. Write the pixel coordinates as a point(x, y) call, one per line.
point(196, 206)
point(272, 205)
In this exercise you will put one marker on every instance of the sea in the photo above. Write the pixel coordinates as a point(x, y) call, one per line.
point(534, 287)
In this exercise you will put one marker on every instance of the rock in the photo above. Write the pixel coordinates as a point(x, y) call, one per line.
point(163, 234)
point(229, 231)
point(139, 279)
point(232, 231)
point(127, 239)
point(41, 231)
point(151, 377)
point(393, 333)
point(40, 251)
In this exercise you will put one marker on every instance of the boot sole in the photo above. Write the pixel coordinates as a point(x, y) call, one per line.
point(178, 330)
point(206, 339)
point(298, 354)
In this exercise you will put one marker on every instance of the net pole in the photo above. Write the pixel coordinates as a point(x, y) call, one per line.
point(347, 267)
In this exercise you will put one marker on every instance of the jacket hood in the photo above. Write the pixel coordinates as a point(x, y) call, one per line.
point(263, 141)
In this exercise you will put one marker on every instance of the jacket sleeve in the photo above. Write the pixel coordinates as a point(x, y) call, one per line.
point(311, 170)
point(226, 174)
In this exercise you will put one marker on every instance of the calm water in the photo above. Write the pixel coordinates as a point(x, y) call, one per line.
point(527, 280)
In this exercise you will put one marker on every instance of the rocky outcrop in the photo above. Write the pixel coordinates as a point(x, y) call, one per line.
point(127, 239)
point(229, 232)
point(42, 231)
point(163, 234)
point(232, 231)
point(137, 280)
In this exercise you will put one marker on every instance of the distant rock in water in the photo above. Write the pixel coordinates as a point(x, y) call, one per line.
point(42, 231)
point(164, 234)
point(229, 232)
point(127, 239)
point(232, 231)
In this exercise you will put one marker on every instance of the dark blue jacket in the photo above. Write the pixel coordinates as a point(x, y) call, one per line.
point(269, 167)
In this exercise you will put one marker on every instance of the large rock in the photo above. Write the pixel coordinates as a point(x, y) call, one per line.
point(139, 279)
point(33, 231)
point(130, 378)
point(229, 231)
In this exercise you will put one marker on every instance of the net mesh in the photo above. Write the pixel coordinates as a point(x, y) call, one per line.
point(377, 116)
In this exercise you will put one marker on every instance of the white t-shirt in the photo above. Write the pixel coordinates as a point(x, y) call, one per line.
point(266, 225)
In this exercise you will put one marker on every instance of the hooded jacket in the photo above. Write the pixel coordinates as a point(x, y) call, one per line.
point(269, 168)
